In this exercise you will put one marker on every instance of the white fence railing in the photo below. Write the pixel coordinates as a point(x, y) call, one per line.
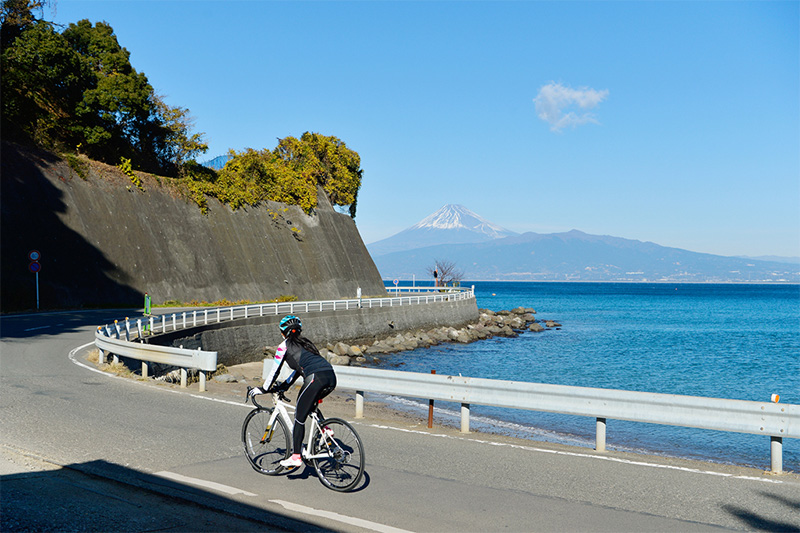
point(775, 420)
point(188, 319)
point(109, 337)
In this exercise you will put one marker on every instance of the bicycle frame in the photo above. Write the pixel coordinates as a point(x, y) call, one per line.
point(281, 409)
point(332, 446)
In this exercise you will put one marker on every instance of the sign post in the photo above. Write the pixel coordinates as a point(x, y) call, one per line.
point(34, 266)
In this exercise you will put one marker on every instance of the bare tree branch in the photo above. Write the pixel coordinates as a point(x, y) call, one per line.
point(445, 272)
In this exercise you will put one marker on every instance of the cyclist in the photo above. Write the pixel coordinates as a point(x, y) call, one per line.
point(319, 379)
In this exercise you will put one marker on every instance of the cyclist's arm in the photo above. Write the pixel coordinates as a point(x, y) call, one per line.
point(276, 367)
point(295, 373)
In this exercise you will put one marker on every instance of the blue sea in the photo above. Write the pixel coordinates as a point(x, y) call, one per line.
point(717, 340)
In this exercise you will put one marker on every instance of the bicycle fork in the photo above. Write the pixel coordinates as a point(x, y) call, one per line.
point(270, 427)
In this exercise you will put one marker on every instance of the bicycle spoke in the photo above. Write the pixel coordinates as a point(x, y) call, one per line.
point(265, 446)
point(343, 467)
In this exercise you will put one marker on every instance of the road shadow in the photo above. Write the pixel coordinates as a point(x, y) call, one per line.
point(756, 522)
point(100, 496)
point(308, 472)
point(31, 325)
point(74, 272)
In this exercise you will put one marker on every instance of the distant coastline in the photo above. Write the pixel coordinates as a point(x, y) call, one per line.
point(643, 282)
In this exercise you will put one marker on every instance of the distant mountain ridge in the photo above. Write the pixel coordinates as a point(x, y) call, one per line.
point(775, 258)
point(451, 224)
point(572, 255)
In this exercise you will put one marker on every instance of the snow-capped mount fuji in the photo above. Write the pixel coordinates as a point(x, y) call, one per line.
point(452, 224)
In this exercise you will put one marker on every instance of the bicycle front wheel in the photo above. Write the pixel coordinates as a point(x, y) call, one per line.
point(265, 446)
point(342, 467)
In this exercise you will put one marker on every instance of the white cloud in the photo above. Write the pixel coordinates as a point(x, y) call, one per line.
point(555, 105)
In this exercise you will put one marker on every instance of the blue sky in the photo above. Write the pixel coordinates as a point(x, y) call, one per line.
point(671, 122)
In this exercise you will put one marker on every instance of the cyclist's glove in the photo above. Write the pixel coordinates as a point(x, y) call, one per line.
point(256, 390)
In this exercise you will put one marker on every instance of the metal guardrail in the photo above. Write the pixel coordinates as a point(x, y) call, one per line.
point(151, 353)
point(109, 338)
point(775, 420)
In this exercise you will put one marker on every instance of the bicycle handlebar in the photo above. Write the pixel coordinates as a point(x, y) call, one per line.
point(280, 394)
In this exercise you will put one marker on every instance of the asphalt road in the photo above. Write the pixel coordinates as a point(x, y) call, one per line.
point(84, 450)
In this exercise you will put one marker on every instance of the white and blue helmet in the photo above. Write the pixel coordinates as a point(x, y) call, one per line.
point(290, 324)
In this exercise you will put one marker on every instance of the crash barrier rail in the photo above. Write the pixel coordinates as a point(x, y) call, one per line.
point(771, 419)
point(126, 337)
point(200, 360)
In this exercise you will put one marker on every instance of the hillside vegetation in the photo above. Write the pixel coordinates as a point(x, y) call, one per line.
point(75, 92)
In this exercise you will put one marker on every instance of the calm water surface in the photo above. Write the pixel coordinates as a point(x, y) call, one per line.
point(717, 340)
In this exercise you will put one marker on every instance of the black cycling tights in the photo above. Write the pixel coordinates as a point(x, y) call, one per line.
point(315, 387)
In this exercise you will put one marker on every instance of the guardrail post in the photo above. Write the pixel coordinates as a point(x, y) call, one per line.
point(776, 455)
point(359, 404)
point(139, 327)
point(464, 418)
point(430, 408)
point(145, 369)
point(194, 318)
point(184, 320)
point(127, 329)
point(101, 356)
point(184, 377)
point(116, 326)
point(174, 322)
point(600, 438)
point(202, 380)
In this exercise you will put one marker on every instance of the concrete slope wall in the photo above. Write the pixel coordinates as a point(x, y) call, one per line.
point(105, 242)
point(243, 340)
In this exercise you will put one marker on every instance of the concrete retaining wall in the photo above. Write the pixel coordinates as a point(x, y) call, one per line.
point(243, 340)
point(104, 242)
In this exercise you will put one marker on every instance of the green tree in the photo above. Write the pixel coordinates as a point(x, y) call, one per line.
point(78, 88)
point(17, 15)
point(117, 107)
point(290, 173)
point(180, 145)
point(326, 161)
point(41, 84)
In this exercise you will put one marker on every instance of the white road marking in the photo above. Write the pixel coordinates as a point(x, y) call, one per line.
point(219, 487)
point(34, 329)
point(366, 524)
point(584, 455)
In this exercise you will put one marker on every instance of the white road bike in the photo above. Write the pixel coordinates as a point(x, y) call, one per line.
point(333, 447)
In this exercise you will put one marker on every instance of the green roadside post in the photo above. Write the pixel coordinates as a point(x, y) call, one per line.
point(147, 311)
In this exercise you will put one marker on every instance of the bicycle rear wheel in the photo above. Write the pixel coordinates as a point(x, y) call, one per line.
point(265, 446)
point(342, 469)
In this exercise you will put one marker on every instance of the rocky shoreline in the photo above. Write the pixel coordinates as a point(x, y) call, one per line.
point(490, 324)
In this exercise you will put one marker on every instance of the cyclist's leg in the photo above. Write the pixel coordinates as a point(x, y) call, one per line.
point(316, 387)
